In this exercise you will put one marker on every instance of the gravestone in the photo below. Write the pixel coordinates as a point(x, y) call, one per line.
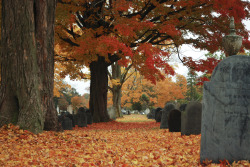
point(225, 130)
point(151, 114)
point(174, 120)
point(71, 117)
point(191, 119)
point(158, 114)
point(66, 123)
point(182, 107)
point(147, 111)
point(81, 117)
point(89, 117)
point(111, 113)
point(164, 119)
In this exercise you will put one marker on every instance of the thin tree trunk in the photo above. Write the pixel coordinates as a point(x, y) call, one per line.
point(27, 63)
point(116, 90)
point(98, 90)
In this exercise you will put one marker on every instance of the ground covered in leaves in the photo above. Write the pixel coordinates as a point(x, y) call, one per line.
point(129, 141)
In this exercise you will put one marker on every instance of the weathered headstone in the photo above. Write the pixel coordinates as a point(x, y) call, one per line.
point(81, 117)
point(182, 107)
point(225, 130)
point(147, 111)
point(151, 114)
point(66, 123)
point(158, 114)
point(174, 120)
point(164, 119)
point(111, 113)
point(191, 119)
point(89, 117)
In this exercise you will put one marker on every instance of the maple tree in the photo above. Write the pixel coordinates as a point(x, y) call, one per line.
point(27, 65)
point(98, 33)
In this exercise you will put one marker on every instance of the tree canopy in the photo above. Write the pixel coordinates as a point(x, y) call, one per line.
point(142, 33)
point(139, 31)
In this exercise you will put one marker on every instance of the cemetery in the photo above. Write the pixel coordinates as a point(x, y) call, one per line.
point(139, 108)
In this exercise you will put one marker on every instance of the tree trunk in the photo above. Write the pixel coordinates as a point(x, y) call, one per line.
point(27, 66)
point(98, 90)
point(116, 90)
point(45, 17)
point(117, 101)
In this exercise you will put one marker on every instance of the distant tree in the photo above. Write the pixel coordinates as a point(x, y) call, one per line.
point(80, 101)
point(139, 90)
point(63, 103)
point(192, 88)
point(68, 93)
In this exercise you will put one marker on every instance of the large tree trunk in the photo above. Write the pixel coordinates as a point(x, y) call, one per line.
point(98, 90)
point(45, 14)
point(116, 89)
point(27, 64)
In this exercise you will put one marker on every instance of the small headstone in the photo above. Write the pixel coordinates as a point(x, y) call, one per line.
point(158, 114)
point(81, 117)
point(164, 119)
point(183, 107)
point(89, 117)
point(129, 112)
point(174, 121)
point(147, 111)
point(225, 130)
point(111, 113)
point(72, 118)
point(66, 123)
point(191, 119)
point(151, 114)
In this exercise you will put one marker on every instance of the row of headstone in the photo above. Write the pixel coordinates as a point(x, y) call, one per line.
point(186, 119)
point(81, 119)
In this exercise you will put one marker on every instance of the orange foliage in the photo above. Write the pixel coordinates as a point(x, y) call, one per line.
point(158, 94)
point(58, 80)
point(168, 90)
point(138, 32)
point(79, 101)
point(102, 144)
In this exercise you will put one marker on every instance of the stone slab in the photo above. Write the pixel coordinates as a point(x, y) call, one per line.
point(225, 132)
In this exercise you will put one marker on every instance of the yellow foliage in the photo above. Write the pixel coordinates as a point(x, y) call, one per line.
point(115, 82)
point(159, 94)
point(58, 80)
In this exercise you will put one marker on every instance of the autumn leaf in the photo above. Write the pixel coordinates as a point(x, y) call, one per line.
point(119, 143)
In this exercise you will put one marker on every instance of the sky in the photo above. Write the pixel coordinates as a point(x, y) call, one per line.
point(186, 50)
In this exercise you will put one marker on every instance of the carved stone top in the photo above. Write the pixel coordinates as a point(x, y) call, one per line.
point(232, 42)
point(232, 26)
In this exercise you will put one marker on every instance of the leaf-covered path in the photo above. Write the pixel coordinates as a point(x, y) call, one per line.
point(133, 141)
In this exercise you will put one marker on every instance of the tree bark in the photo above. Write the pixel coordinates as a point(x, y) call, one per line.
point(116, 89)
point(27, 66)
point(45, 32)
point(98, 90)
